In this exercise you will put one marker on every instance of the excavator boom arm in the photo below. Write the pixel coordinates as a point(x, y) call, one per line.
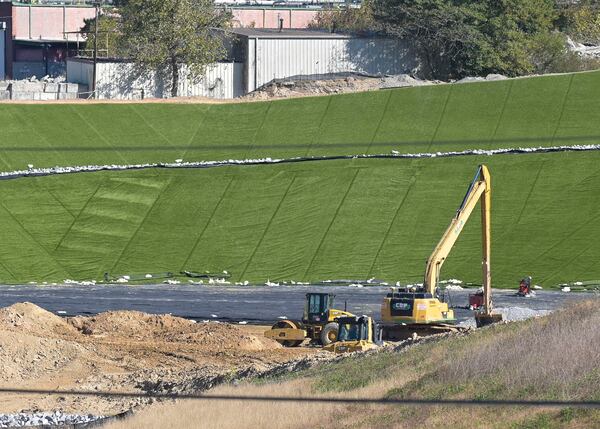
point(479, 191)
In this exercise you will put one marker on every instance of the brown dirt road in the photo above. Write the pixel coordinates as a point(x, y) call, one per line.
point(120, 351)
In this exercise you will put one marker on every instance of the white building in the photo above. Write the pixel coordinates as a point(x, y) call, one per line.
point(255, 58)
point(273, 54)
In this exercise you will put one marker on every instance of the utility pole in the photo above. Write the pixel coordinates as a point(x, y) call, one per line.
point(97, 7)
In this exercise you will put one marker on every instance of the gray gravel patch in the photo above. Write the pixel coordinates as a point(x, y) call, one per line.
point(56, 418)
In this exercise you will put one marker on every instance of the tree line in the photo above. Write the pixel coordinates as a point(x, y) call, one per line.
point(458, 38)
point(451, 38)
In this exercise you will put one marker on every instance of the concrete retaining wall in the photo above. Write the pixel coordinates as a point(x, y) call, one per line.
point(40, 91)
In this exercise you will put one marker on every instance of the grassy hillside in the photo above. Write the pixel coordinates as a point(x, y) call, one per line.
point(539, 111)
point(551, 358)
point(342, 219)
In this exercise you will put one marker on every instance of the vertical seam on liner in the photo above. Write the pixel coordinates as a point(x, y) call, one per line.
point(501, 116)
point(46, 189)
point(193, 136)
point(207, 224)
point(441, 119)
point(576, 230)
point(337, 210)
point(318, 133)
point(387, 233)
point(537, 176)
point(568, 262)
point(267, 227)
point(41, 136)
point(258, 129)
point(562, 110)
point(52, 257)
point(143, 220)
point(79, 214)
point(104, 139)
point(387, 103)
point(148, 124)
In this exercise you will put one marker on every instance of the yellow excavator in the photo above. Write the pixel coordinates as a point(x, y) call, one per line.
point(318, 323)
point(419, 310)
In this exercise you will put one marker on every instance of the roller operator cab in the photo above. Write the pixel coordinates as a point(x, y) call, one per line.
point(318, 308)
point(355, 334)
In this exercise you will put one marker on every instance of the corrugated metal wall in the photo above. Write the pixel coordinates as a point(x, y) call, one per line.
point(280, 58)
point(222, 80)
point(267, 59)
point(80, 72)
point(2, 50)
point(122, 81)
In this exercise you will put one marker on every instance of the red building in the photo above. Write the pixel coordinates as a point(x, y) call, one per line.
point(39, 37)
point(36, 37)
point(270, 17)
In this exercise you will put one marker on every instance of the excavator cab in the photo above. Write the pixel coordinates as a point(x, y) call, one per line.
point(415, 307)
point(405, 312)
point(355, 334)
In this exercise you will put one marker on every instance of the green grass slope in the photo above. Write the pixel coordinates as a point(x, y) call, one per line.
point(313, 221)
point(542, 111)
point(345, 219)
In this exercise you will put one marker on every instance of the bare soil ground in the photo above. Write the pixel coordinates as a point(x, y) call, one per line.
point(306, 87)
point(282, 88)
point(123, 351)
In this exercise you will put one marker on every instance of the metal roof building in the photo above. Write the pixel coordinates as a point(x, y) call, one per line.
point(278, 54)
point(255, 58)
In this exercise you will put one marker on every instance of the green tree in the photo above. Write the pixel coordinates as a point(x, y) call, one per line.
point(109, 40)
point(523, 35)
point(164, 34)
point(583, 21)
point(445, 34)
point(348, 19)
point(455, 38)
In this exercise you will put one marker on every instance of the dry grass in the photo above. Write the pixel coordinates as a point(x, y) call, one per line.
point(237, 414)
point(554, 356)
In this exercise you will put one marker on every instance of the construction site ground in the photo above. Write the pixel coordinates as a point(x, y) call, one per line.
point(120, 351)
point(133, 351)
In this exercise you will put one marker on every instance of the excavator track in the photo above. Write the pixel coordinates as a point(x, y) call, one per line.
point(400, 332)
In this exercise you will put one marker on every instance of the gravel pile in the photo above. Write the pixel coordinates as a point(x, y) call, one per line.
point(510, 314)
point(513, 314)
point(44, 419)
point(585, 50)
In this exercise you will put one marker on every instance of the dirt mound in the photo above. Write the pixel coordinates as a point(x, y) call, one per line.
point(27, 357)
point(28, 317)
point(225, 336)
point(331, 84)
point(131, 324)
point(136, 325)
